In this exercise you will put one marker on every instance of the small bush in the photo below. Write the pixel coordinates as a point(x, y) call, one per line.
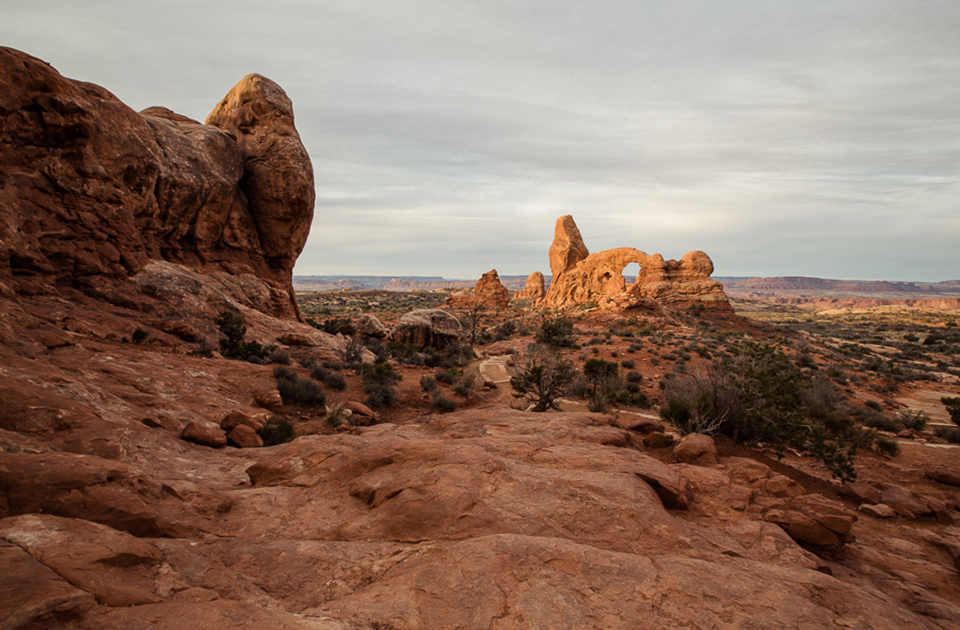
point(950, 434)
point(276, 431)
point(447, 377)
point(232, 344)
point(911, 419)
point(428, 383)
point(882, 422)
point(379, 395)
point(337, 415)
point(887, 446)
point(279, 355)
point(953, 408)
point(379, 373)
point(335, 381)
point(628, 364)
point(464, 387)
point(294, 389)
point(442, 404)
point(555, 332)
point(139, 336)
point(634, 377)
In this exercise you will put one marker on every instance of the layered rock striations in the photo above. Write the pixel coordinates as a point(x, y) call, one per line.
point(580, 277)
point(92, 192)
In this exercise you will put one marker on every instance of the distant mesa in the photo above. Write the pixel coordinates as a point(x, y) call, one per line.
point(580, 277)
point(93, 193)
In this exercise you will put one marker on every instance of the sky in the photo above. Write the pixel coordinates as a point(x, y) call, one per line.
point(782, 137)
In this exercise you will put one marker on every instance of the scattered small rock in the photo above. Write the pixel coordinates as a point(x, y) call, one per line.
point(877, 509)
point(697, 449)
point(203, 432)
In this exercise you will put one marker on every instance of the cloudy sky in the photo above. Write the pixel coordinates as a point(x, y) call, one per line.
point(817, 138)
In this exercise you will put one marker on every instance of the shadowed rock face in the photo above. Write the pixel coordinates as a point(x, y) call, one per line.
point(580, 277)
point(91, 191)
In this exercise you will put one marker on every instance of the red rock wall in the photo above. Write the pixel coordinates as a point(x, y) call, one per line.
point(92, 191)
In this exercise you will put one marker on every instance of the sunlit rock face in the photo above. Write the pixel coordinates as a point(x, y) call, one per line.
point(580, 277)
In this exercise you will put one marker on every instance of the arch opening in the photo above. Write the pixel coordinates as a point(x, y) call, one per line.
point(630, 273)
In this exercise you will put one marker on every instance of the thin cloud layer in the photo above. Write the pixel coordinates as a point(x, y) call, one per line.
point(814, 138)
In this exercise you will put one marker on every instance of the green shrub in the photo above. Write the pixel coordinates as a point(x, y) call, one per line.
point(543, 377)
point(555, 332)
point(442, 404)
point(279, 355)
point(139, 336)
point(335, 381)
point(628, 364)
point(379, 395)
point(405, 353)
point(950, 434)
point(464, 387)
point(233, 345)
point(761, 395)
point(953, 408)
point(428, 383)
point(276, 431)
point(446, 376)
point(911, 419)
point(887, 446)
point(634, 377)
point(294, 389)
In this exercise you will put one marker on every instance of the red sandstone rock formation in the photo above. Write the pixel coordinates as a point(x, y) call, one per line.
point(91, 192)
point(533, 289)
point(580, 277)
point(488, 293)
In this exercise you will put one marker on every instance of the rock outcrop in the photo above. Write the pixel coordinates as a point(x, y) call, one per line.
point(533, 289)
point(580, 277)
point(427, 327)
point(488, 293)
point(92, 192)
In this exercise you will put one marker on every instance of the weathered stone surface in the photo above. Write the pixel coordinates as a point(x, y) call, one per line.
point(90, 488)
point(640, 424)
point(904, 502)
point(30, 592)
point(814, 519)
point(579, 278)
point(567, 248)
point(862, 492)
point(944, 475)
point(878, 509)
point(244, 437)
point(371, 326)
point(235, 419)
point(92, 191)
point(203, 432)
point(427, 327)
point(360, 409)
point(697, 449)
point(278, 177)
point(533, 289)
point(115, 567)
